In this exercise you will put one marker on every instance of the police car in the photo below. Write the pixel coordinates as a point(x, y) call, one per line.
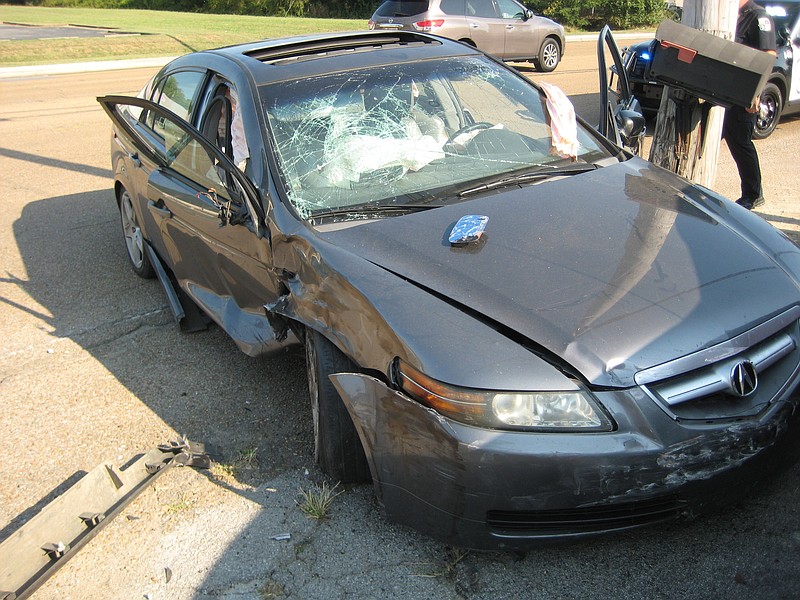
point(781, 94)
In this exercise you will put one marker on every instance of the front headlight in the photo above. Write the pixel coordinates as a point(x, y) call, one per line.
point(529, 411)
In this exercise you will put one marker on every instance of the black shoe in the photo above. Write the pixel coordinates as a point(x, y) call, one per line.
point(750, 204)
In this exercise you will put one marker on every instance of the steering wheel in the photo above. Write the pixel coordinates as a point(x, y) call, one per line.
point(469, 128)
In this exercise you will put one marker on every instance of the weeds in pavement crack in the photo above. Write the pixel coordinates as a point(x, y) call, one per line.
point(316, 501)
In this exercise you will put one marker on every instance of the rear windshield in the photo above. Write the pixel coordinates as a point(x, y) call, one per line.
point(402, 8)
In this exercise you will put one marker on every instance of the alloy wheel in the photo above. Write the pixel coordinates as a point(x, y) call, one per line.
point(131, 230)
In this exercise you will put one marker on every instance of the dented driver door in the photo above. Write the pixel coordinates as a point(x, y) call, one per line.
point(209, 219)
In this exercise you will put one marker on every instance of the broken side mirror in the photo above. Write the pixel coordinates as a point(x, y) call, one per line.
point(619, 101)
point(230, 212)
point(528, 14)
point(631, 127)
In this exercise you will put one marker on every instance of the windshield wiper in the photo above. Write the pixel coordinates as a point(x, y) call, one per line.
point(541, 172)
point(369, 209)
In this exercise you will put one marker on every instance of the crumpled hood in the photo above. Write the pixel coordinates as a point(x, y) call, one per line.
point(613, 271)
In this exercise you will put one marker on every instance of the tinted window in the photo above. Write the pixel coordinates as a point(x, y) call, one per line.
point(192, 161)
point(510, 9)
point(452, 7)
point(402, 8)
point(179, 93)
point(185, 155)
point(481, 8)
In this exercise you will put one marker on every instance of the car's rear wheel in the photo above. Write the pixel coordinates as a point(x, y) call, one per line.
point(337, 447)
point(134, 241)
point(549, 55)
point(770, 112)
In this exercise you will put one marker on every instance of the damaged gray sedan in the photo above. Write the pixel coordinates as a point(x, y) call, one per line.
point(519, 332)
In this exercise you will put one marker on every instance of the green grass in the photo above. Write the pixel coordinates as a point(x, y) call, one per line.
point(315, 502)
point(168, 33)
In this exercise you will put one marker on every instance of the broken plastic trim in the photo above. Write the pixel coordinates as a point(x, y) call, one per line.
point(35, 551)
point(186, 313)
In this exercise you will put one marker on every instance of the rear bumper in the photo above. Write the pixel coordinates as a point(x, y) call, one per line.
point(499, 490)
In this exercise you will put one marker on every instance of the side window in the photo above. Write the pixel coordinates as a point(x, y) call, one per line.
point(510, 9)
point(178, 93)
point(481, 8)
point(452, 7)
point(222, 123)
point(185, 155)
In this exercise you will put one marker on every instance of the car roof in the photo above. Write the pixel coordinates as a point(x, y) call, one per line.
point(273, 60)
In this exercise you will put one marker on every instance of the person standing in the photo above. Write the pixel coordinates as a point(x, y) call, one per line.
point(756, 29)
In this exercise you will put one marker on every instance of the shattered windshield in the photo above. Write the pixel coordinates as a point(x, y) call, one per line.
point(408, 134)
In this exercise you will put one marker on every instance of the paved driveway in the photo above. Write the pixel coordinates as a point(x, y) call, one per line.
point(11, 31)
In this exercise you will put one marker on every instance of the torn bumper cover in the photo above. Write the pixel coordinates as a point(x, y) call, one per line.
point(42, 545)
point(492, 489)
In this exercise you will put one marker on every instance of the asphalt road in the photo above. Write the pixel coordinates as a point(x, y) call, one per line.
point(93, 370)
point(11, 31)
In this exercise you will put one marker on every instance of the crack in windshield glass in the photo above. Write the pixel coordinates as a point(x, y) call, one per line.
point(404, 133)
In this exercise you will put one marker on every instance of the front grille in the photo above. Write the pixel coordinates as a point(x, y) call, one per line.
point(591, 519)
point(703, 386)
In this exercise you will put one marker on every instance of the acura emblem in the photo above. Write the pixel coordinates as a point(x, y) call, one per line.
point(744, 378)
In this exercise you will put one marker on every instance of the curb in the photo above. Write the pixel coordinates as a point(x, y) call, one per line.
point(84, 67)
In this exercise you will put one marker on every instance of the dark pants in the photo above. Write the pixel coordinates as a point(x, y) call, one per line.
point(737, 131)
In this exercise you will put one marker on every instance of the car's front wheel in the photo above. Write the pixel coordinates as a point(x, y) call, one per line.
point(134, 241)
point(769, 113)
point(549, 55)
point(337, 447)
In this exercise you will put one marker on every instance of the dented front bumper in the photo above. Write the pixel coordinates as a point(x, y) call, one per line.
point(492, 489)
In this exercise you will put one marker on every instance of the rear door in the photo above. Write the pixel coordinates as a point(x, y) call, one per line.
point(486, 28)
point(208, 212)
point(522, 35)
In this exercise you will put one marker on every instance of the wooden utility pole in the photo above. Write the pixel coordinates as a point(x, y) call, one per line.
point(688, 131)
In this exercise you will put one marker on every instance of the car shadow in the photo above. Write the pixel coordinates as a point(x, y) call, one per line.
point(84, 228)
point(206, 390)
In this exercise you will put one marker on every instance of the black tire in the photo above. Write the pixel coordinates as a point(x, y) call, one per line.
point(132, 234)
point(337, 447)
point(549, 55)
point(770, 112)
